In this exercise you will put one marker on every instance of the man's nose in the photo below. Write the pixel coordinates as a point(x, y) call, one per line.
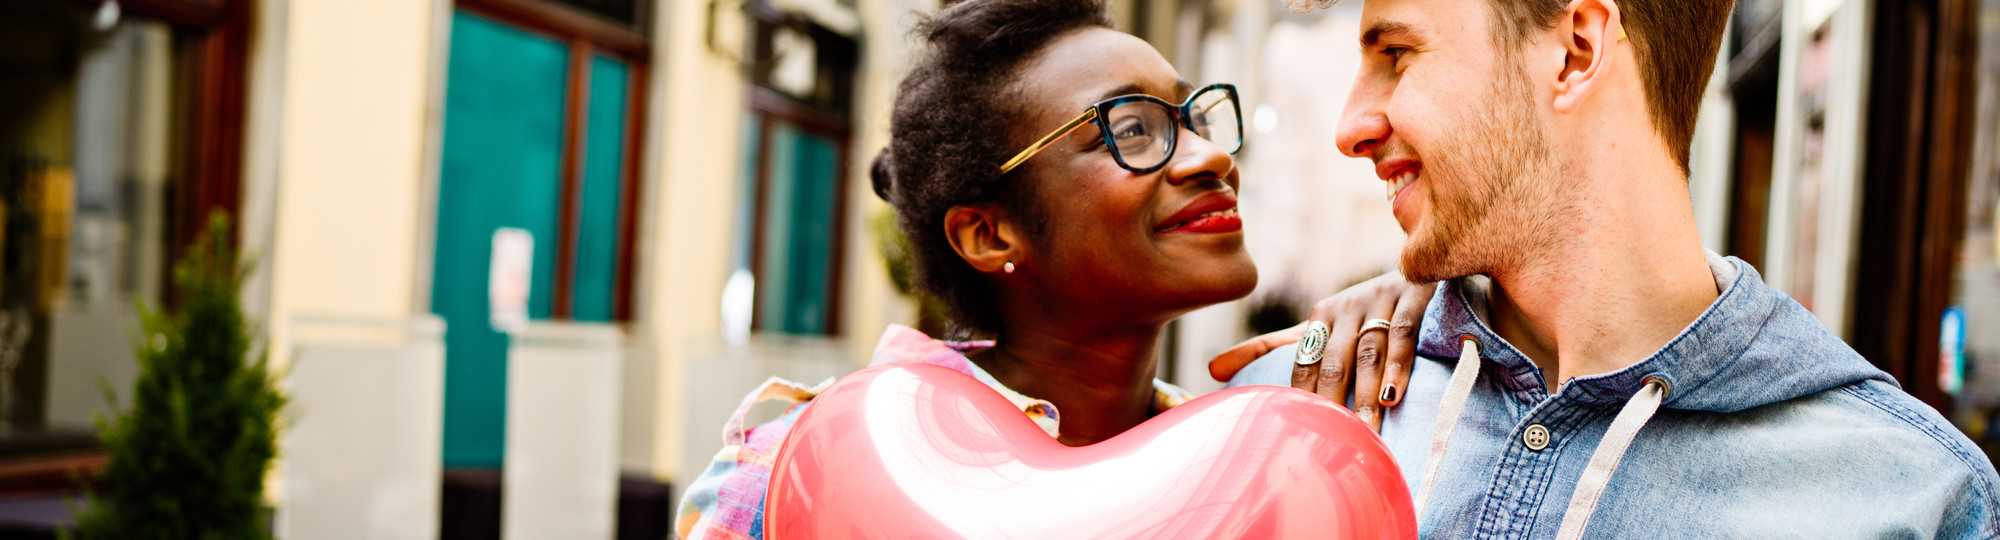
point(1363, 126)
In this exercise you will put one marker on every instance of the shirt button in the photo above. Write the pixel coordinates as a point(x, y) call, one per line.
point(1536, 437)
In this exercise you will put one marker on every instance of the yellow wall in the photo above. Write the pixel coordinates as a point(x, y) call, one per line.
point(348, 212)
point(351, 137)
point(690, 208)
point(873, 302)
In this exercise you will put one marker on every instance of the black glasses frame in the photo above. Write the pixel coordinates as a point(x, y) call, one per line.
point(1181, 115)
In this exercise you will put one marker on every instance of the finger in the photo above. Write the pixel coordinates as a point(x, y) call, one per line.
point(1402, 349)
point(1310, 352)
point(1338, 366)
point(1306, 376)
point(1368, 352)
point(1227, 364)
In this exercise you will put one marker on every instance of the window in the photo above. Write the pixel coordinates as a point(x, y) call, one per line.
point(789, 239)
point(117, 136)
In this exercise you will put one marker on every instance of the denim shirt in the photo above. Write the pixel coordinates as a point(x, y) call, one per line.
point(1772, 428)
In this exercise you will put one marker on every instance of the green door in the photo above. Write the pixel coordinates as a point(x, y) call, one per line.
point(502, 167)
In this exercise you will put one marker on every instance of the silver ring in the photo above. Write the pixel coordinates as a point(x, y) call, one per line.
point(1371, 325)
point(1312, 346)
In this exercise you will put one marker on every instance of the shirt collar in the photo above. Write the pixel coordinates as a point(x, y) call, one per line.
point(904, 344)
point(1714, 364)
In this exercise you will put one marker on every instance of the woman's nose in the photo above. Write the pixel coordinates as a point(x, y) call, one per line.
point(1198, 158)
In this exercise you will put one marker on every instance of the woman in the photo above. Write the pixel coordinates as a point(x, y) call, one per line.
point(1065, 193)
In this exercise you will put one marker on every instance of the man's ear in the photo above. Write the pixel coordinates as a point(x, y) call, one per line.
point(1589, 30)
point(984, 237)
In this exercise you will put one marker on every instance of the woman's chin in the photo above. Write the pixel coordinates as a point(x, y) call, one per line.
point(1230, 281)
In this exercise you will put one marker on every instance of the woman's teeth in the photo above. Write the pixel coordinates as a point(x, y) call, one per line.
point(1217, 213)
point(1204, 215)
point(1402, 181)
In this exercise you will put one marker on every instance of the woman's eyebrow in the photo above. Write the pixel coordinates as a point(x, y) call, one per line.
point(1182, 86)
point(1126, 89)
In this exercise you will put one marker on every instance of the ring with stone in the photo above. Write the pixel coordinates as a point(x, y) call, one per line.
point(1312, 346)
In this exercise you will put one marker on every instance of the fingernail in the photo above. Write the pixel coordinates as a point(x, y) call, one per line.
point(1388, 393)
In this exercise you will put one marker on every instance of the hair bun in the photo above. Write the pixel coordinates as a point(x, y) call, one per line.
point(882, 175)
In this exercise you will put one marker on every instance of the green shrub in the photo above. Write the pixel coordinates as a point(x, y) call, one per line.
point(188, 456)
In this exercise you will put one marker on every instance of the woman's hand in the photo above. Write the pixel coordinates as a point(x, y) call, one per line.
point(1378, 363)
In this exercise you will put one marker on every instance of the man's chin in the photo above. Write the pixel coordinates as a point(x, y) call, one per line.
point(1425, 262)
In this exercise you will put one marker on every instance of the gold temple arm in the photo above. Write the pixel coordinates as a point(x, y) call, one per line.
point(1052, 137)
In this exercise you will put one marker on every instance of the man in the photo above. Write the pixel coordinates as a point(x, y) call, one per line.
point(1587, 368)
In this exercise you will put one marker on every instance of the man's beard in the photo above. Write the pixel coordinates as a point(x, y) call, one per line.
point(1491, 201)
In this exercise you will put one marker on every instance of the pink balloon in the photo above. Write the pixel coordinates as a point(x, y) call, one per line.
point(921, 451)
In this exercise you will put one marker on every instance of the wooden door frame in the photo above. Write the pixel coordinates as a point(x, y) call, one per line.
point(1922, 92)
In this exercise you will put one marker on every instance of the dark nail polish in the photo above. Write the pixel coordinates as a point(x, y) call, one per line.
point(1388, 393)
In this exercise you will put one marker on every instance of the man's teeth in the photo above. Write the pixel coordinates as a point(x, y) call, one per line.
point(1402, 181)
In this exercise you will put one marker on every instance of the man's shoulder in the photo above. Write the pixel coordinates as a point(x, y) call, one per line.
point(1863, 418)
point(1839, 454)
point(1884, 413)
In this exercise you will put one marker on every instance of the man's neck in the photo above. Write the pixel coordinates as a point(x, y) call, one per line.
point(1617, 288)
point(1101, 380)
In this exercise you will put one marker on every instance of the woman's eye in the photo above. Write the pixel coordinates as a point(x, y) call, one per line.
point(1129, 129)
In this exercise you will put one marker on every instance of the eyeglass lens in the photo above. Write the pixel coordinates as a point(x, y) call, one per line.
point(1215, 118)
point(1142, 132)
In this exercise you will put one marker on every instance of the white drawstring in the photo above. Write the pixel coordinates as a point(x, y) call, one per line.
point(1604, 461)
point(1455, 394)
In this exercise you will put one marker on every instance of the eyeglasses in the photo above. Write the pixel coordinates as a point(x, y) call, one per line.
point(1142, 130)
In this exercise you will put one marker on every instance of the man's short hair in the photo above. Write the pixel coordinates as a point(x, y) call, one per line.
point(1675, 41)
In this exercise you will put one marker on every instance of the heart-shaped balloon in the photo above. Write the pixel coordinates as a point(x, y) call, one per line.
point(921, 451)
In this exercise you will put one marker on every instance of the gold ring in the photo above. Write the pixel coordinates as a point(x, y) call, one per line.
point(1373, 325)
point(1312, 346)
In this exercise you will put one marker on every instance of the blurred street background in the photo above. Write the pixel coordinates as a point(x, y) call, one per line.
point(517, 260)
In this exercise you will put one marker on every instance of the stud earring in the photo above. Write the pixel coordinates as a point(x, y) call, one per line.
point(1008, 268)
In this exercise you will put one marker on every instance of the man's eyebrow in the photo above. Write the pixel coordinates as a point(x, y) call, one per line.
point(1380, 29)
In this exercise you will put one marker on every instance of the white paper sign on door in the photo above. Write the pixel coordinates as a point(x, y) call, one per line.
point(512, 273)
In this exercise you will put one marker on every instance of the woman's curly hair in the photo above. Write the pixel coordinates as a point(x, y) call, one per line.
point(950, 129)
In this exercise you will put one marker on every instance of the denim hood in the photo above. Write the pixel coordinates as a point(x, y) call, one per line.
point(1724, 362)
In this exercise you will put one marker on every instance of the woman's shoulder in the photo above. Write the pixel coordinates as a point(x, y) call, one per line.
point(727, 499)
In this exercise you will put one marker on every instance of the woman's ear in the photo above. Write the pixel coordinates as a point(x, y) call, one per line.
point(984, 237)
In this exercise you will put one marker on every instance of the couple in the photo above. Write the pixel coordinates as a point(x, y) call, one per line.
point(1585, 368)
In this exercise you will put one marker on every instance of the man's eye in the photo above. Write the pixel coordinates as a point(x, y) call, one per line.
point(1395, 54)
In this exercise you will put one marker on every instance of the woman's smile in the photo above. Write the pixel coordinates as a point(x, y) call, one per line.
point(1208, 214)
